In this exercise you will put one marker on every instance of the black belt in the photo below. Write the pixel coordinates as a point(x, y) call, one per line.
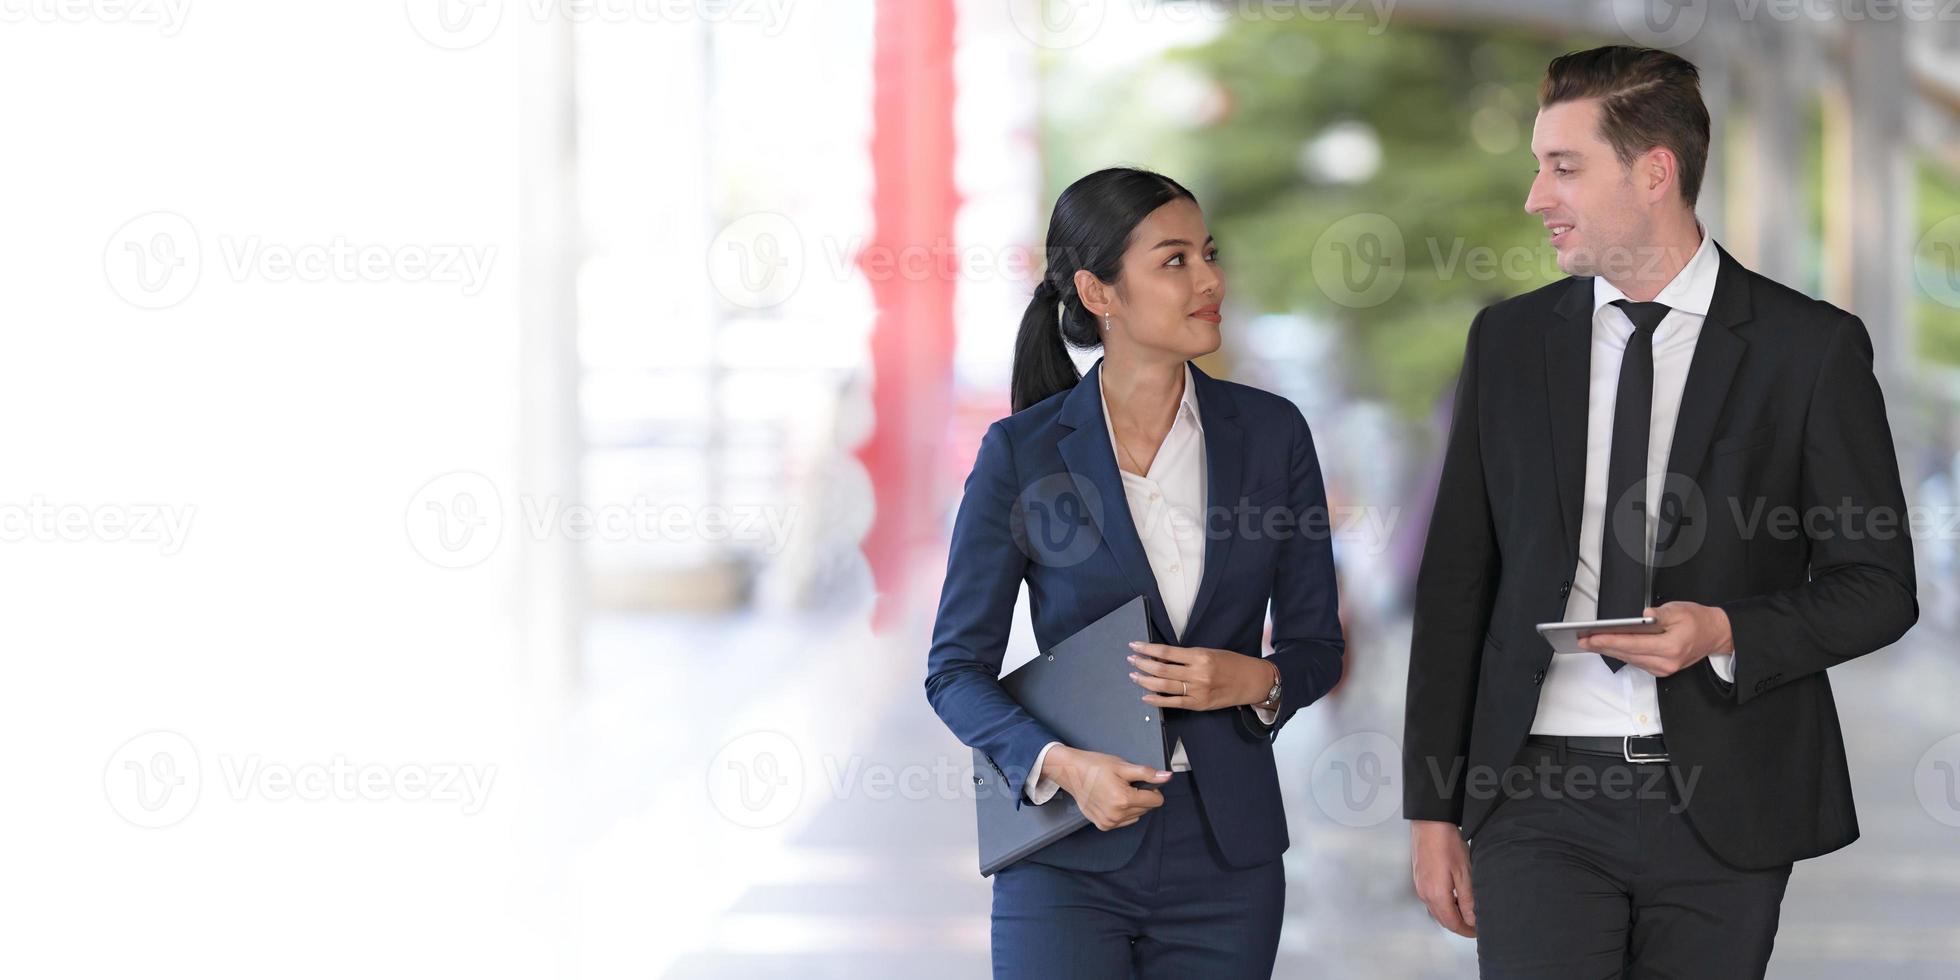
point(1632, 748)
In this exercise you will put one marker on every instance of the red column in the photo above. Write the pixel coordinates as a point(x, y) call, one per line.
point(912, 273)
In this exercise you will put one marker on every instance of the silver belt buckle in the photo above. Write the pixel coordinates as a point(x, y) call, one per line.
point(1627, 753)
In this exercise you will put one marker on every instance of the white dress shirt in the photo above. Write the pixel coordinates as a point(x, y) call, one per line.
point(1167, 505)
point(1581, 696)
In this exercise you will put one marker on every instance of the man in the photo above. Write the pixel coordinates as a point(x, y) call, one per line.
point(1663, 433)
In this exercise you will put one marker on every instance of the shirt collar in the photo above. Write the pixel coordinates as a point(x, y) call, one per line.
point(1691, 289)
point(1187, 405)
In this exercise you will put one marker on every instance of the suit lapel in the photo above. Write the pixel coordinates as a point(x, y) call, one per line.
point(1224, 463)
point(1717, 353)
point(1568, 383)
point(1092, 465)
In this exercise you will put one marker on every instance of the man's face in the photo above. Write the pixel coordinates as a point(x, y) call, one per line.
point(1596, 215)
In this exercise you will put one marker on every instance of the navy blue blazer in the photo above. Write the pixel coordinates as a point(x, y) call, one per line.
point(1045, 505)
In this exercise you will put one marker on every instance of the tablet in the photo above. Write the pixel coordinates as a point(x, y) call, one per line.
point(1564, 637)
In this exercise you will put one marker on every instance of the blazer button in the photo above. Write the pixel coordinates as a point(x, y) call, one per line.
point(1538, 678)
point(1564, 589)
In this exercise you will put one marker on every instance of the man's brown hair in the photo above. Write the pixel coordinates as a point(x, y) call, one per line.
point(1647, 98)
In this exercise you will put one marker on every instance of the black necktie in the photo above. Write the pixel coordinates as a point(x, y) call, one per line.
point(1623, 534)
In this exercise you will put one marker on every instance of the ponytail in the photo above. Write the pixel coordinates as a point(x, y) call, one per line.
point(1042, 366)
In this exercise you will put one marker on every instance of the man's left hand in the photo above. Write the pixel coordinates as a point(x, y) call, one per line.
point(1690, 632)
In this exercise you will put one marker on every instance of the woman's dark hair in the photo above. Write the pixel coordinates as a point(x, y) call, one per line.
point(1090, 229)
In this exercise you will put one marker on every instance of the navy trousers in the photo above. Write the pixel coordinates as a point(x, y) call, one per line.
point(1176, 910)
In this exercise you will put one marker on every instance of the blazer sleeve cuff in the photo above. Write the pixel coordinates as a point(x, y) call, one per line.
point(1039, 788)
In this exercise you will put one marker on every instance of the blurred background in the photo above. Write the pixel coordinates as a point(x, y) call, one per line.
point(477, 472)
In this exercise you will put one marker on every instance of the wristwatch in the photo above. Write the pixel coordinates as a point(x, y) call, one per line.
point(1272, 697)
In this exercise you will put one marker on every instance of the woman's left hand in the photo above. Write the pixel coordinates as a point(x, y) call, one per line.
point(1199, 678)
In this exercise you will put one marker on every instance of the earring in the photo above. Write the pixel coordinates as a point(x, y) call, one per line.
point(1105, 323)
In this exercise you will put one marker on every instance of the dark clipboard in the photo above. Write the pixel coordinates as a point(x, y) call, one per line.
point(1081, 690)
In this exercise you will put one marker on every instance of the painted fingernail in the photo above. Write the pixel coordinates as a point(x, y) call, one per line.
point(1136, 645)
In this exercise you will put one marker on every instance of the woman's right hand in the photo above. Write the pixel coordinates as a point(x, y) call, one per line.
point(1100, 783)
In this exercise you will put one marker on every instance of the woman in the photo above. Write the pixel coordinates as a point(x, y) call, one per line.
point(1205, 497)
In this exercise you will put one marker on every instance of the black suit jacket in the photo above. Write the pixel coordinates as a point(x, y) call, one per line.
point(1781, 415)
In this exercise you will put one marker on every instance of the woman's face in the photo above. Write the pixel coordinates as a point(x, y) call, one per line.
point(1166, 299)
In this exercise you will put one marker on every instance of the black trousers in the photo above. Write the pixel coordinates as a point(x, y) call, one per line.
point(1590, 869)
